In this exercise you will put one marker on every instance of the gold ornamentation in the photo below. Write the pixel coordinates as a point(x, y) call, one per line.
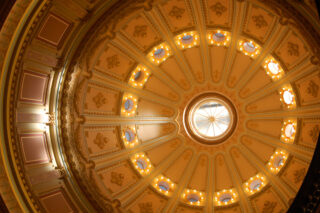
point(99, 100)
point(145, 207)
point(314, 133)
point(117, 178)
point(140, 31)
point(113, 61)
point(293, 49)
point(218, 8)
point(268, 207)
point(259, 21)
point(299, 175)
point(176, 12)
point(313, 89)
point(100, 141)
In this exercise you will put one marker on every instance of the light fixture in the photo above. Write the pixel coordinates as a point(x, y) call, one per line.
point(129, 136)
point(277, 160)
point(287, 97)
point(225, 197)
point(187, 40)
point(273, 68)
point(249, 47)
point(159, 53)
point(129, 105)
point(288, 130)
point(139, 77)
point(193, 197)
point(219, 37)
point(255, 184)
point(141, 163)
point(163, 185)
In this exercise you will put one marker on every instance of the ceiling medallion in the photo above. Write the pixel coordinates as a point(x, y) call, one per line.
point(210, 118)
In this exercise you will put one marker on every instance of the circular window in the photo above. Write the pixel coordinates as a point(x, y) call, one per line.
point(278, 161)
point(287, 97)
point(159, 53)
point(128, 105)
point(249, 47)
point(210, 118)
point(273, 68)
point(129, 135)
point(219, 37)
point(225, 198)
point(142, 164)
point(289, 130)
point(138, 76)
point(193, 198)
point(164, 186)
point(187, 39)
point(255, 185)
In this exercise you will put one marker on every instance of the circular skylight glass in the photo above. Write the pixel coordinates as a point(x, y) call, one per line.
point(249, 47)
point(128, 105)
point(164, 186)
point(211, 119)
point(273, 68)
point(287, 97)
point(255, 184)
point(159, 53)
point(193, 198)
point(219, 37)
point(129, 135)
point(142, 164)
point(278, 161)
point(187, 39)
point(289, 130)
point(138, 76)
point(225, 197)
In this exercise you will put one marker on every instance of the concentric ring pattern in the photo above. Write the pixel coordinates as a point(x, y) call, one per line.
point(124, 115)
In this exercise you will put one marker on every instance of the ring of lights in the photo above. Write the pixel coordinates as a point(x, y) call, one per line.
point(219, 134)
point(130, 102)
point(248, 47)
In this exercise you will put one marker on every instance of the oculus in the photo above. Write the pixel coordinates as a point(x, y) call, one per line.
point(159, 53)
point(249, 47)
point(164, 186)
point(129, 135)
point(219, 37)
point(139, 77)
point(225, 197)
point(277, 160)
point(193, 197)
point(210, 118)
point(255, 184)
point(288, 131)
point(142, 164)
point(287, 97)
point(187, 39)
point(273, 68)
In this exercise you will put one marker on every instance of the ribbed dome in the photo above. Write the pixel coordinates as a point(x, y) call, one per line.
point(146, 102)
point(158, 105)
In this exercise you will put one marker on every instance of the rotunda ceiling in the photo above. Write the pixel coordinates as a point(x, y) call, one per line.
point(191, 106)
point(163, 106)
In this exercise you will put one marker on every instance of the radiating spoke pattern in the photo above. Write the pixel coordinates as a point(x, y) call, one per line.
point(211, 119)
